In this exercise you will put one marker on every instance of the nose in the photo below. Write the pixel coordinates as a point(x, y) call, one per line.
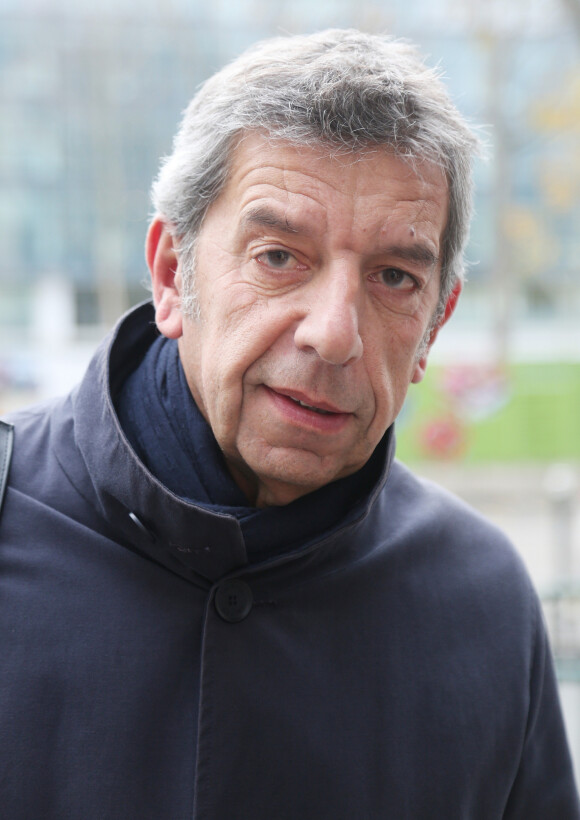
point(330, 325)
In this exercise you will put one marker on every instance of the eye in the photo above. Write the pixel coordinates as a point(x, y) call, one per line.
point(397, 279)
point(277, 259)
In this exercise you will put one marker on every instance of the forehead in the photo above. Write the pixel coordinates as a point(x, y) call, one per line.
point(318, 181)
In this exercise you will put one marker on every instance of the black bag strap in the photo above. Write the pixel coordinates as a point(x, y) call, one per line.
point(6, 444)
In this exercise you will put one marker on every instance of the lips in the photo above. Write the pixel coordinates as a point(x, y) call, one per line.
point(311, 407)
point(301, 413)
point(324, 408)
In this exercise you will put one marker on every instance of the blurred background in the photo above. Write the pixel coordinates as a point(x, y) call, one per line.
point(89, 102)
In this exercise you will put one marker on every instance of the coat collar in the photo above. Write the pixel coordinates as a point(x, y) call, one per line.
point(199, 544)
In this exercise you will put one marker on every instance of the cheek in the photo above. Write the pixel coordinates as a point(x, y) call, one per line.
point(229, 358)
point(265, 334)
point(390, 368)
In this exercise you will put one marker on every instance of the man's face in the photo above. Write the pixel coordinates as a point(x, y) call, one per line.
point(317, 279)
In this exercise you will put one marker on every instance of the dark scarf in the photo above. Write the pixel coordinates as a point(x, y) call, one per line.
point(173, 440)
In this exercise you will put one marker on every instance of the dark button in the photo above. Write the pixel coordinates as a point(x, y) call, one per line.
point(233, 601)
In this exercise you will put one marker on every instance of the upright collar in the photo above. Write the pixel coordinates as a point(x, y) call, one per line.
point(169, 434)
point(200, 543)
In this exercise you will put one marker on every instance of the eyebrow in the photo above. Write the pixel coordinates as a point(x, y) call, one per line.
point(265, 217)
point(418, 254)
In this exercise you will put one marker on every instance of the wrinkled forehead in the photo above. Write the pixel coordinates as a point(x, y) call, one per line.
point(372, 167)
point(342, 152)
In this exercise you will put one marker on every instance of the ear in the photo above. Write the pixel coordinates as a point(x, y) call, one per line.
point(421, 366)
point(163, 264)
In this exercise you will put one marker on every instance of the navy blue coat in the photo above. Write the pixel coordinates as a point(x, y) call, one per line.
point(395, 668)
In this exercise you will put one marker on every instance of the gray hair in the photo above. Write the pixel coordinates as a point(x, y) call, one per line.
point(343, 88)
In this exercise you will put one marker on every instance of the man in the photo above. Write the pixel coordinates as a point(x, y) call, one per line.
point(221, 596)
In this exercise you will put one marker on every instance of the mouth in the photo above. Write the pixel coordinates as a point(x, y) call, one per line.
point(311, 407)
point(323, 408)
point(306, 413)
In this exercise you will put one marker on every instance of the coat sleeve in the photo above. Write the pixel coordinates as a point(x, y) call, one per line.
point(545, 785)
